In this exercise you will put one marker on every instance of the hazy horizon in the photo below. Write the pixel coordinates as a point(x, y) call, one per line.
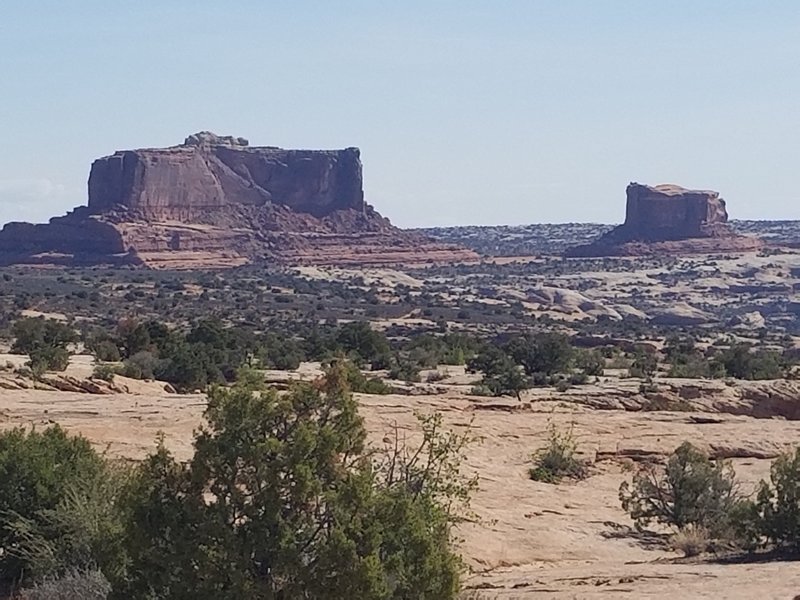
point(466, 113)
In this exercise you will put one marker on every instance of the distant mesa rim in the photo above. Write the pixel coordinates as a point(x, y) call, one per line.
point(217, 201)
point(669, 219)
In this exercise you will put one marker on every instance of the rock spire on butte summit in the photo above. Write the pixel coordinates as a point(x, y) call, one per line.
point(216, 201)
point(669, 219)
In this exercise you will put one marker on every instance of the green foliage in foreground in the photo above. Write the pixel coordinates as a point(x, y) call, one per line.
point(691, 490)
point(693, 493)
point(777, 507)
point(38, 470)
point(88, 585)
point(282, 499)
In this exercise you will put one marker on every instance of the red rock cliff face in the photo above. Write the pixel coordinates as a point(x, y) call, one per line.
point(669, 219)
point(670, 212)
point(201, 176)
point(215, 201)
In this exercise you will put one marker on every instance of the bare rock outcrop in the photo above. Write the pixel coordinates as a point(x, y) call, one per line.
point(216, 201)
point(669, 219)
point(208, 173)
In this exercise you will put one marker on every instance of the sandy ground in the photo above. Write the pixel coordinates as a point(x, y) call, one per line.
point(566, 541)
point(534, 540)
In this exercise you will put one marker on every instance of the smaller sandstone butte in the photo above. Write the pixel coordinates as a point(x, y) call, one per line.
point(216, 201)
point(669, 219)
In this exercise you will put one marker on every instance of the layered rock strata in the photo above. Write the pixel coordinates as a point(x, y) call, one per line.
point(669, 219)
point(216, 201)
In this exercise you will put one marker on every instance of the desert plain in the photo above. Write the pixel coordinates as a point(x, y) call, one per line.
point(528, 539)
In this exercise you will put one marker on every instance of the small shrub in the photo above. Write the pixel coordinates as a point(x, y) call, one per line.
point(435, 376)
point(375, 386)
point(547, 353)
point(691, 540)
point(778, 503)
point(579, 378)
point(558, 459)
point(45, 342)
point(48, 358)
point(358, 382)
point(644, 366)
point(89, 585)
point(562, 385)
point(619, 362)
point(690, 490)
point(590, 362)
point(480, 390)
point(501, 375)
point(656, 402)
point(104, 372)
point(106, 351)
point(35, 333)
point(405, 371)
point(141, 365)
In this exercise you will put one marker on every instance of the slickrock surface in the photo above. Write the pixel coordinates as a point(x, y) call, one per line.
point(669, 219)
point(534, 540)
point(216, 201)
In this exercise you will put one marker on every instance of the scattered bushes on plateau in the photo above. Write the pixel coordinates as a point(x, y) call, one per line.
point(690, 490)
point(534, 360)
point(700, 499)
point(740, 360)
point(282, 498)
point(357, 381)
point(45, 341)
point(558, 460)
point(743, 362)
point(776, 509)
point(501, 375)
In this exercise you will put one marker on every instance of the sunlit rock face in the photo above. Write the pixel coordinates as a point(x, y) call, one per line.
point(669, 219)
point(670, 212)
point(216, 201)
point(208, 172)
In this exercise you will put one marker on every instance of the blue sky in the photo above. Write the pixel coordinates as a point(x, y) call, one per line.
point(466, 112)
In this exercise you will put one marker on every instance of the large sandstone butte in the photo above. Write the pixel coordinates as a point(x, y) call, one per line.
point(216, 201)
point(669, 219)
